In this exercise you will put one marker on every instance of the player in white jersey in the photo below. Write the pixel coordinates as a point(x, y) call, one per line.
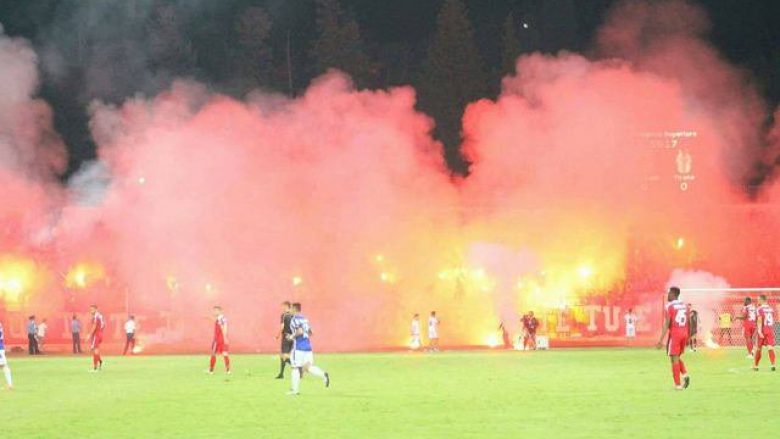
point(302, 358)
point(630, 319)
point(433, 331)
point(3, 362)
point(416, 338)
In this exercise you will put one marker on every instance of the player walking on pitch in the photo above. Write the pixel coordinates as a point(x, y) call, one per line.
point(3, 362)
point(130, 328)
point(302, 358)
point(96, 337)
point(433, 332)
point(748, 318)
point(676, 324)
point(765, 331)
point(287, 344)
point(416, 341)
point(219, 344)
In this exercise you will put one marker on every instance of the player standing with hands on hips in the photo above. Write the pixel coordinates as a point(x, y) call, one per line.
point(219, 344)
point(96, 337)
point(676, 324)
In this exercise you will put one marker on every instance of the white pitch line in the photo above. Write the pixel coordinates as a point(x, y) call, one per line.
point(705, 290)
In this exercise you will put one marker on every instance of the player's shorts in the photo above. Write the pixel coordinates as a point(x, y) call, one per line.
point(3, 361)
point(286, 346)
point(219, 347)
point(433, 335)
point(768, 339)
point(630, 331)
point(676, 344)
point(97, 340)
point(301, 358)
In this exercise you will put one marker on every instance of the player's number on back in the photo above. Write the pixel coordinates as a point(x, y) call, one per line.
point(680, 317)
point(769, 319)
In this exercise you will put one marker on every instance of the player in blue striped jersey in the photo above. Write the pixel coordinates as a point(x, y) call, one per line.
point(302, 358)
point(3, 361)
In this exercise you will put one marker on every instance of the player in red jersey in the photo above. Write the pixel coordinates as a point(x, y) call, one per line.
point(96, 337)
point(765, 331)
point(219, 344)
point(676, 324)
point(748, 318)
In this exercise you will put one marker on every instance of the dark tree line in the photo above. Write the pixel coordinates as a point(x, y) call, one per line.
point(453, 51)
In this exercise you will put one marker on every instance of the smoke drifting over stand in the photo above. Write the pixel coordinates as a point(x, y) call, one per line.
point(592, 179)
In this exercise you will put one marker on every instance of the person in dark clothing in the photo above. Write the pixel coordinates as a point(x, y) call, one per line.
point(32, 340)
point(693, 328)
point(287, 344)
point(75, 332)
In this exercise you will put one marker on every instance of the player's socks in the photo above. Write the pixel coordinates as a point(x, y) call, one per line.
point(295, 380)
point(95, 359)
point(772, 357)
point(212, 363)
point(282, 365)
point(8, 380)
point(676, 373)
point(756, 359)
point(683, 370)
point(227, 363)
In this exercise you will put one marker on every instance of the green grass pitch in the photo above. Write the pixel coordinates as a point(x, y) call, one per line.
point(555, 394)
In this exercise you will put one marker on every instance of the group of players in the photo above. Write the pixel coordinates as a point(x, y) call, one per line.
point(296, 349)
point(95, 339)
point(433, 332)
point(759, 321)
point(295, 334)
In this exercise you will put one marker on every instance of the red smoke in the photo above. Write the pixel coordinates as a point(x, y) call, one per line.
point(592, 180)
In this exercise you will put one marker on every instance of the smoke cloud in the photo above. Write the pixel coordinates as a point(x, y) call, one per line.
point(31, 153)
point(592, 180)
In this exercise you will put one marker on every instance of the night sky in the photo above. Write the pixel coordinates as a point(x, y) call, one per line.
point(746, 32)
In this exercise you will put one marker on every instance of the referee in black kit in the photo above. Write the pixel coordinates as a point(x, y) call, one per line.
point(287, 345)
